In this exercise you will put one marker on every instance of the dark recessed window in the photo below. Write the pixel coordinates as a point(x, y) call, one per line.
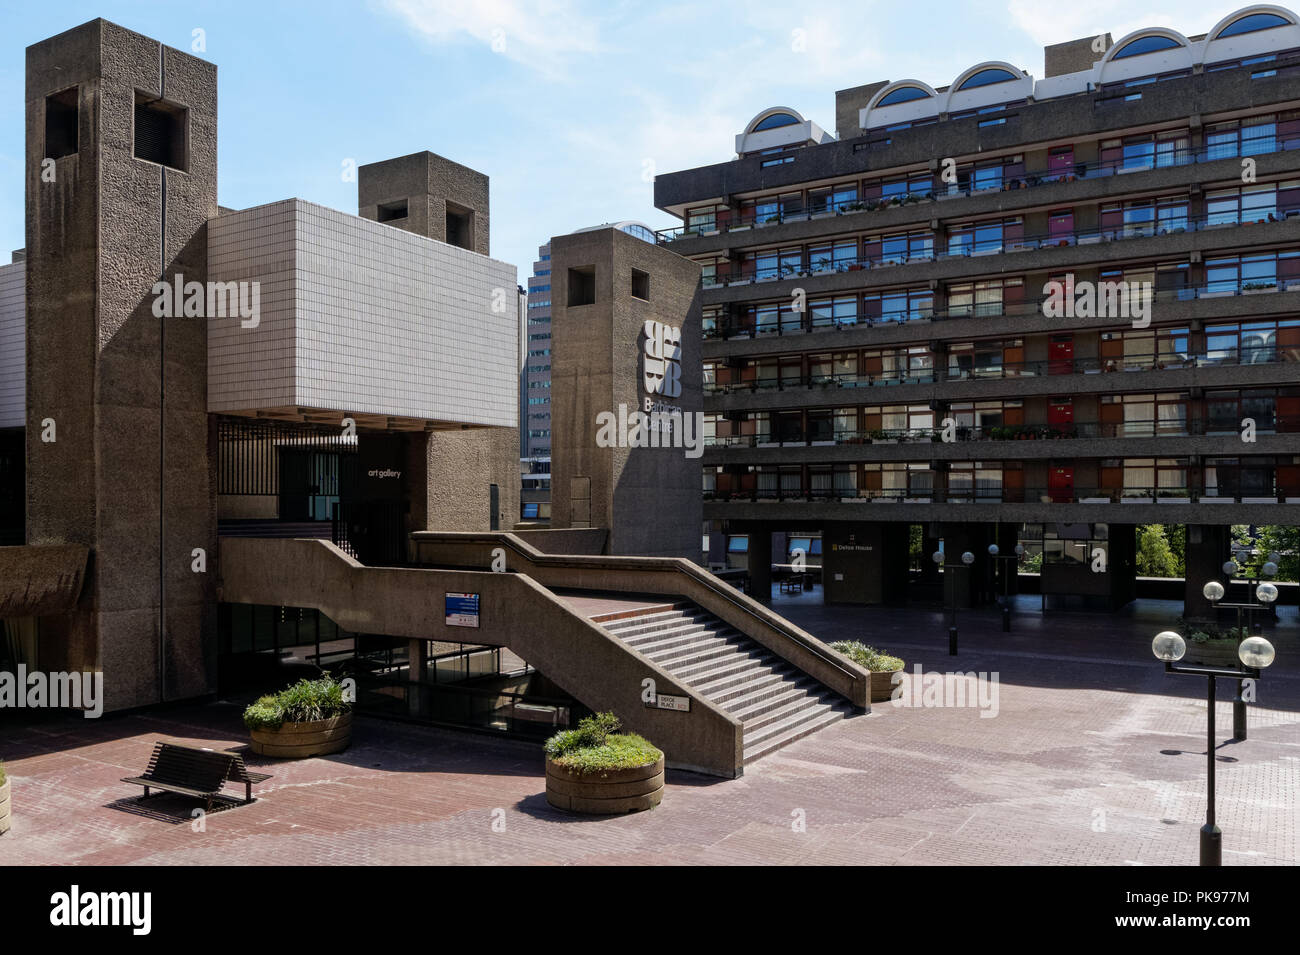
point(986, 77)
point(390, 211)
point(460, 227)
point(641, 284)
point(160, 132)
point(904, 94)
point(774, 121)
point(582, 285)
point(1146, 44)
point(1253, 23)
point(61, 124)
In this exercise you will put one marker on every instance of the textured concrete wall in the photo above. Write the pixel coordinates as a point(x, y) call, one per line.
point(130, 473)
point(361, 318)
point(428, 182)
point(649, 498)
point(13, 345)
point(849, 105)
point(584, 660)
point(1073, 56)
point(451, 476)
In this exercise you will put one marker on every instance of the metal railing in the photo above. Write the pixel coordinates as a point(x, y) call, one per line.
point(1007, 495)
point(1096, 169)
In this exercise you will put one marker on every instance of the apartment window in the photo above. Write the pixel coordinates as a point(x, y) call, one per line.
point(1252, 273)
point(641, 285)
point(582, 286)
point(160, 132)
point(826, 312)
point(61, 124)
point(1147, 150)
point(898, 305)
point(985, 298)
point(833, 256)
point(1254, 343)
point(392, 211)
point(1261, 202)
point(833, 199)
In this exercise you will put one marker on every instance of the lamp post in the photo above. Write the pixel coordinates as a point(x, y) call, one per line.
point(1006, 580)
point(1255, 653)
point(966, 560)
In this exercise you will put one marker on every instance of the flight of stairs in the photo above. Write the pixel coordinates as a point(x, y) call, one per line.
point(776, 702)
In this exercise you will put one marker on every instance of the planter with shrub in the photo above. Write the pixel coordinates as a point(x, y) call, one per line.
point(882, 666)
point(4, 801)
point(596, 769)
point(310, 718)
point(1213, 648)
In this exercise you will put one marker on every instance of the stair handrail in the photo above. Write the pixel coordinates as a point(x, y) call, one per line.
point(699, 574)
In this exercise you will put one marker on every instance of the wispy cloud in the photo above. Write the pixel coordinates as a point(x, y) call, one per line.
point(544, 36)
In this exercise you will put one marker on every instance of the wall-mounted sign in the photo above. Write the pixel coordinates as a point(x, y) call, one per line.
point(462, 610)
point(662, 361)
point(682, 704)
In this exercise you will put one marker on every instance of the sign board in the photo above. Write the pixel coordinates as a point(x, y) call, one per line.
point(682, 704)
point(462, 610)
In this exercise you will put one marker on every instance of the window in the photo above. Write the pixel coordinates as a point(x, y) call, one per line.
point(460, 226)
point(738, 544)
point(986, 78)
point(1253, 23)
point(392, 211)
point(904, 94)
point(775, 121)
point(641, 285)
point(160, 132)
point(61, 124)
point(582, 286)
point(1146, 44)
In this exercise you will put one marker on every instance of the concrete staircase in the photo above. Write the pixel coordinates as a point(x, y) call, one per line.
point(775, 702)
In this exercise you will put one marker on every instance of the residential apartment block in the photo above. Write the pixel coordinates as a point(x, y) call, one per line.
point(902, 328)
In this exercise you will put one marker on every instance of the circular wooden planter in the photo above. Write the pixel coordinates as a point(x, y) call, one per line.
point(604, 794)
point(5, 805)
point(882, 685)
point(300, 740)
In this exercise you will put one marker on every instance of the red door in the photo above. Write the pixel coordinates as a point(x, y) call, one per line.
point(1060, 355)
point(1060, 415)
point(1060, 485)
point(1060, 227)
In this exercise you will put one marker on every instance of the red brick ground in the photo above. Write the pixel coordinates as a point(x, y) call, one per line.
point(1096, 757)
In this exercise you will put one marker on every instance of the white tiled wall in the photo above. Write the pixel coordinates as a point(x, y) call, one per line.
point(13, 345)
point(359, 316)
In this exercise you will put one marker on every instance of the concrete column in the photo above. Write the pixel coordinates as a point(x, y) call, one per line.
point(417, 672)
point(1208, 546)
point(760, 563)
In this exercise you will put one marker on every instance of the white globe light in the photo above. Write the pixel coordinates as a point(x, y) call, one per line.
point(968, 558)
point(1020, 550)
point(1266, 593)
point(937, 557)
point(993, 550)
point(1255, 652)
point(1274, 557)
point(1168, 646)
point(1213, 591)
point(1270, 569)
point(1229, 567)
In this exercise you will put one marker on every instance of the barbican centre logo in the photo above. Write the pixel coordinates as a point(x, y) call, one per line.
point(658, 423)
point(661, 363)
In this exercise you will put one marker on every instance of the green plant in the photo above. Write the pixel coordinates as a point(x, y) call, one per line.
point(305, 702)
point(866, 656)
point(2, 774)
point(596, 746)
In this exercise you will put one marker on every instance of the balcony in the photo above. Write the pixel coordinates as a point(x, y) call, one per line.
point(1117, 498)
point(727, 223)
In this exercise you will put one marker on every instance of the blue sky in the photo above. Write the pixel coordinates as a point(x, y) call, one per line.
point(568, 106)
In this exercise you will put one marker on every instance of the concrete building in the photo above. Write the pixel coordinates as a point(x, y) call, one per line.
point(903, 341)
point(242, 446)
point(535, 380)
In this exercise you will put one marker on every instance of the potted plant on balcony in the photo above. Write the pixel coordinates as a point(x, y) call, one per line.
point(5, 803)
point(882, 666)
point(310, 718)
point(598, 770)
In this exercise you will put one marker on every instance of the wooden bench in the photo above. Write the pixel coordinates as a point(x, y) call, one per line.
point(201, 773)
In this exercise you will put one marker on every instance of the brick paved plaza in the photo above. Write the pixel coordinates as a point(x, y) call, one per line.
point(1095, 757)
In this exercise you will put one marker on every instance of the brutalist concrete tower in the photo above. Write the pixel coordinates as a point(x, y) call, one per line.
point(121, 177)
point(625, 340)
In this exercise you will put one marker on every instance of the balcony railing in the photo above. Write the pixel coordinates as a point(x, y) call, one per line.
point(1161, 428)
point(807, 323)
point(1027, 180)
point(1007, 495)
point(1173, 225)
point(1021, 369)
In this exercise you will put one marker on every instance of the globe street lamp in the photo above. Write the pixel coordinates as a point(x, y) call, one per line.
point(1255, 653)
point(1013, 560)
point(966, 560)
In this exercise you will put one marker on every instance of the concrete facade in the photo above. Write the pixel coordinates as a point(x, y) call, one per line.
point(126, 391)
point(13, 345)
point(433, 193)
point(648, 497)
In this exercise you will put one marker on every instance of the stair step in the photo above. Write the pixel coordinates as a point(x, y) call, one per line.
point(775, 701)
point(753, 750)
